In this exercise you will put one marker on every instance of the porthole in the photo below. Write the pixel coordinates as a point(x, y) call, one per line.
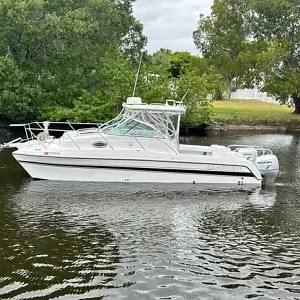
point(99, 144)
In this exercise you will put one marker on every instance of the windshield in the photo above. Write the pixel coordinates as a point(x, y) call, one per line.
point(112, 123)
point(131, 127)
point(143, 123)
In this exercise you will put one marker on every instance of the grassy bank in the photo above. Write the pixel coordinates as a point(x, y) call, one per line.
point(253, 113)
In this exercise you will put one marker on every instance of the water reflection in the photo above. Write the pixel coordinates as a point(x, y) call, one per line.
point(81, 238)
point(50, 249)
point(264, 198)
point(242, 245)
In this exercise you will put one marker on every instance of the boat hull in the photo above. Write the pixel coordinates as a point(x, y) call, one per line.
point(98, 170)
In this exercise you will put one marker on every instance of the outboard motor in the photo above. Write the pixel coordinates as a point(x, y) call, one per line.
point(248, 153)
point(267, 164)
point(268, 167)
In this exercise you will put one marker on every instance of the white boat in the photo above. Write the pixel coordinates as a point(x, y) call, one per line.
point(140, 145)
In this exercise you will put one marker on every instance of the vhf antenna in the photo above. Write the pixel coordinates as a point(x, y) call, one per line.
point(137, 75)
point(185, 95)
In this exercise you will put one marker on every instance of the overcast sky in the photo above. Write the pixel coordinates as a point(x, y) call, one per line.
point(170, 23)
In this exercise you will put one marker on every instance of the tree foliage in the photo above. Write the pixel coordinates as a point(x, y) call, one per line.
point(179, 76)
point(77, 60)
point(66, 57)
point(221, 38)
point(255, 42)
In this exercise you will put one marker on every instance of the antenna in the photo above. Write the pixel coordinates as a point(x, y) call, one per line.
point(137, 75)
point(185, 95)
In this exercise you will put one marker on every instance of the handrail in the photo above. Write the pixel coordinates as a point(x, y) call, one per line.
point(244, 146)
point(71, 126)
point(257, 148)
point(72, 140)
point(174, 150)
point(54, 122)
point(27, 135)
point(30, 135)
point(139, 143)
point(6, 145)
point(105, 139)
point(33, 136)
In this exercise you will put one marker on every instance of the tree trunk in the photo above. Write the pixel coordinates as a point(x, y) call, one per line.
point(229, 88)
point(297, 105)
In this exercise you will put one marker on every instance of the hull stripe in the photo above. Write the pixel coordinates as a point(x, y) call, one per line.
point(149, 169)
point(125, 159)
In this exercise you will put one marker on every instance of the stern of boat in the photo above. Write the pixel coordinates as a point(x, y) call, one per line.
point(263, 159)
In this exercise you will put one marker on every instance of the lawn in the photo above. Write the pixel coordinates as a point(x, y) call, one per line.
point(254, 112)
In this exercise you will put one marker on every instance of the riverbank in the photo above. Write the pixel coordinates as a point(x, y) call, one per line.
point(253, 115)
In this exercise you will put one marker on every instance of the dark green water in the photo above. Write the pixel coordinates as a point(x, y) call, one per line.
point(115, 241)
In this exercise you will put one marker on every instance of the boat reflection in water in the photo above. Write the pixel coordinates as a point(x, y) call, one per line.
point(263, 198)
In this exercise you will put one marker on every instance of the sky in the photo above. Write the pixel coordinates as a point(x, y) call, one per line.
point(170, 24)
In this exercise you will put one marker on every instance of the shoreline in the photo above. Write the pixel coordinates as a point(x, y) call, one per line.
point(222, 127)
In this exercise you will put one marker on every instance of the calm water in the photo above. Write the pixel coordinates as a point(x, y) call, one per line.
point(116, 241)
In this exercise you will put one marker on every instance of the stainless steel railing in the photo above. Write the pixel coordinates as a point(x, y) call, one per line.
point(44, 128)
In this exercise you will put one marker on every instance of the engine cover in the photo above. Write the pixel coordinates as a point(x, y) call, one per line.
point(249, 153)
point(268, 167)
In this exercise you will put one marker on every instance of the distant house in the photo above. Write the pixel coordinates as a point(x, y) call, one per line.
point(252, 94)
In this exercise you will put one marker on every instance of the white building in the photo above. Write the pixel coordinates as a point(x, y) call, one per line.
point(252, 94)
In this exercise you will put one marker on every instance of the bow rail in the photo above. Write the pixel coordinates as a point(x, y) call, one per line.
point(40, 131)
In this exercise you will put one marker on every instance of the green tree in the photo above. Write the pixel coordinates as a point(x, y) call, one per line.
point(155, 82)
point(255, 42)
point(276, 25)
point(196, 91)
point(222, 38)
point(180, 62)
point(66, 54)
point(179, 76)
point(16, 95)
